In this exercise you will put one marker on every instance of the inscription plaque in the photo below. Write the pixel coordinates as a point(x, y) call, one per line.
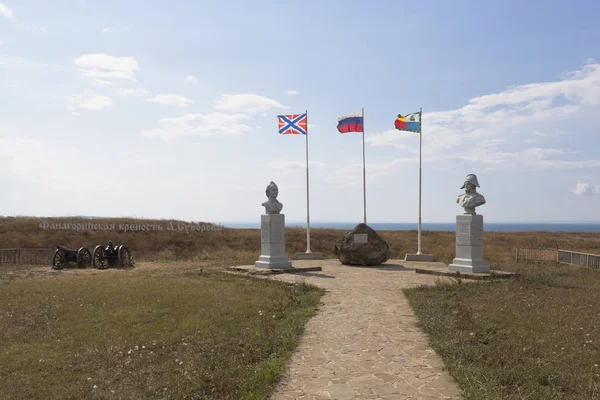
point(463, 233)
point(468, 234)
point(277, 231)
point(264, 231)
point(361, 238)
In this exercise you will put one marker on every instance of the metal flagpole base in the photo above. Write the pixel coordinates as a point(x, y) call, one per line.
point(419, 257)
point(308, 256)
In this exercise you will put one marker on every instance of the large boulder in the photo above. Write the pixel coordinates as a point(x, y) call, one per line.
point(351, 249)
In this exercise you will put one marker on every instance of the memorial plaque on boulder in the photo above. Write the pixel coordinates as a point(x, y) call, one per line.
point(361, 238)
point(362, 246)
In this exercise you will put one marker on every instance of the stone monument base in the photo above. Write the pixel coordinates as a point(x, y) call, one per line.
point(464, 265)
point(469, 245)
point(419, 257)
point(272, 242)
point(273, 262)
point(308, 256)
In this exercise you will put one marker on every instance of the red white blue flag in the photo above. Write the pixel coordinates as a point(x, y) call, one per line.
point(352, 122)
point(295, 124)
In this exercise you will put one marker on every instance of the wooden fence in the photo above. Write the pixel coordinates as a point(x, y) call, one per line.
point(536, 254)
point(26, 256)
point(561, 256)
point(581, 259)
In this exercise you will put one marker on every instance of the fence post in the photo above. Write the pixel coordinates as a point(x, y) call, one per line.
point(571, 258)
point(587, 261)
point(517, 255)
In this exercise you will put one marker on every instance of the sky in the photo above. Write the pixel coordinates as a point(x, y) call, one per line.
point(168, 109)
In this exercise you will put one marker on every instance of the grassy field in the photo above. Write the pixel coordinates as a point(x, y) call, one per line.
point(148, 336)
point(175, 327)
point(536, 337)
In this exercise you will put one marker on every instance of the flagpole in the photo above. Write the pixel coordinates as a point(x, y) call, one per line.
point(307, 192)
point(364, 174)
point(420, 151)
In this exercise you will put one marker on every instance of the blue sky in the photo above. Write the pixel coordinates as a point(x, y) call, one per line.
point(168, 109)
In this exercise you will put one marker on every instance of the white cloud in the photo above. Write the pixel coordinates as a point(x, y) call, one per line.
point(171, 100)
point(292, 92)
point(88, 101)
point(298, 163)
point(110, 30)
point(392, 138)
point(129, 92)
point(31, 28)
point(132, 159)
point(349, 173)
point(191, 79)
point(103, 68)
point(248, 103)
point(201, 125)
point(585, 189)
point(34, 161)
point(27, 155)
point(6, 12)
point(582, 189)
point(20, 62)
point(489, 129)
point(529, 158)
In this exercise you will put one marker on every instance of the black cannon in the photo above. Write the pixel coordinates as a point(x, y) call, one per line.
point(64, 255)
point(111, 256)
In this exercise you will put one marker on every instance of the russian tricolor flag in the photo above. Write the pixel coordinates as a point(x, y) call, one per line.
point(352, 122)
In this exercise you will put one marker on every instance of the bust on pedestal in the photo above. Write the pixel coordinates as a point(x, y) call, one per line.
point(469, 231)
point(272, 229)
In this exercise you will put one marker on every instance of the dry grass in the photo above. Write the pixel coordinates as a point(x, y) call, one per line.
point(145, 336)
point(536, 337)
point(243, 245)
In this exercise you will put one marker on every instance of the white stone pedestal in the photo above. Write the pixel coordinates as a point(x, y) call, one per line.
point(272, 242)
point(469, 245)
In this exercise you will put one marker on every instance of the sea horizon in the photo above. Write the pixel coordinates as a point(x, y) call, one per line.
point(587, 227)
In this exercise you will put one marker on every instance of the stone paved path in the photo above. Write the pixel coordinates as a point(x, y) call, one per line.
point(363, 343)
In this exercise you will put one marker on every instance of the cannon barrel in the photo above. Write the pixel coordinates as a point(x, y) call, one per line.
point(66, 249)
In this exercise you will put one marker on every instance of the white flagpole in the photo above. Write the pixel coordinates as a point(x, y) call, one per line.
point(307, 196)
point(364, 174)
point(420, 150)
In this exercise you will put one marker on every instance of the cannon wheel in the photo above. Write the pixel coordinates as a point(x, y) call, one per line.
point(98, 257)
point(84, 257)
point(124, 257)
point(58, 260)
